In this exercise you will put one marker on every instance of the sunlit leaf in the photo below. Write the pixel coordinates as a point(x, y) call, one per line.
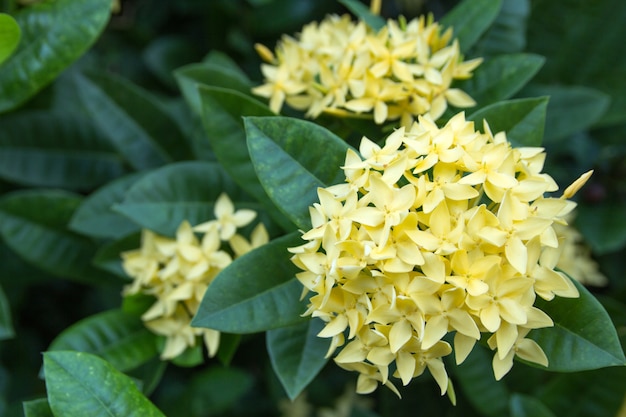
point(10, 34)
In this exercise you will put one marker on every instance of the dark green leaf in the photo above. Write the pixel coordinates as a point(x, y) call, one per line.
point(81, 384)
point(224, 61)
point(228, 346)
point(363, 13)
point(165, 54)
point(507, 34)
point(116, 336)
point(256, 292)
point(292, 159)
point(571, 108)
point(56, 149)
point(583, 336)
point(37, 408)
point(134, 122)
point(150, 374)
point(297, 354)
point(470, 19)
point(163, 198)
point(192, 356)
point(108, 256)
point(500, 77)
point(217, 389)
point(525, 406)
point(6, 325)
point(522, 119)
point(222, 117)
point(95, 217)
point(10, 34)
point(34, 224)
point(604, 226)
point(54, 34)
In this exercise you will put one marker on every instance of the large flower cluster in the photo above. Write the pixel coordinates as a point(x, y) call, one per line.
point(441, 230)
point(177, 272)
point(342, 67)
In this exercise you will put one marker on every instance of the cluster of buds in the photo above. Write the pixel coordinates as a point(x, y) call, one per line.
point(346, 68)
point(441, 230)
point(177, 272)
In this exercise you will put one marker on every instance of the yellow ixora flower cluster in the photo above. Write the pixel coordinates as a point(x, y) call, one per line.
point(345, 68)
point(441, 230)
point(177, 272)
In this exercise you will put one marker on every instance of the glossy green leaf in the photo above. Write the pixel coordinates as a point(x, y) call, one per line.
point(222, 118)
point(526, 406)
point(6, 324)
point(54, 34)
point(570, 109)
point(116, 336)
point(470, 19)
point(81, 384)
point(56, 149)
point(163, 198)
point(604, 226)
point(292, 159)
point(256, 292)
point(33, 224)
point(95, 216)
point(507, 34)
point(500, 77)
point(108, 256)
point(583, 336)
point(523, 120)
point(363, 13)
point(37, 408)
point(134, 122)
point(10, 34)
point(297, 354)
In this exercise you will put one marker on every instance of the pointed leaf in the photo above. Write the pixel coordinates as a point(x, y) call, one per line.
point(163, 198)
point(54, 34)
point(33, 224)
point(257, 292)
point(81, 384)
point(500, 77)
point(297, 354)
point(56, 149)
point(363, 13)
point(37, 408)
point(525, 406)
point(470, 19)
point(523, 120)
point(6, 325)
point(583, 336)
point(223, 123)
point(95, 216)
point(10, 34)
point(292, 159)
point(116, 336)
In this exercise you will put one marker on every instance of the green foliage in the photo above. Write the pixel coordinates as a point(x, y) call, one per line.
point(6, 327)
point(362, 12)
point(524, 406)
point(37, 408)
point(470, 19)
point(10, 34)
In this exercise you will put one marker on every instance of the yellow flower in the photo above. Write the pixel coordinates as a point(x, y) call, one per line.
point(397, 260)
point(344, 68)
point(177, 272)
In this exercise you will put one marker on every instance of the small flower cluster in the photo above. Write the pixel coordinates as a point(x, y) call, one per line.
point(441, 230)
point(345, 68)
point(177, 272)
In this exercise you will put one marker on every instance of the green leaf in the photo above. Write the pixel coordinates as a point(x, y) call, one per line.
point(583, 336)
point(33, 224)
point(149, 373)
point(526, 406)
point(134, 122)
point(292, 159)
point(571, 108)
point(6, 326)
point(522, 119)
point(222, 118)
point(56, 149)
point(163, 198)
point(507, 34)
point(363, 13)
point(116, 336)
point(108, 256)
point(222, 60)
point(257, 292)
point(500, 77)
point(604, 226)
point(81, 384)
point(228, 346)
point(192, 356)
point(470, 19)
point(10, 34)
point(95, 216)
point(217, 389)
point(37, 408)
point(297, 354)
point(166, 53)
point(54, 34)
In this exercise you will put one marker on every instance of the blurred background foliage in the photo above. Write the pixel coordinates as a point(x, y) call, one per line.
point(143, 43)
